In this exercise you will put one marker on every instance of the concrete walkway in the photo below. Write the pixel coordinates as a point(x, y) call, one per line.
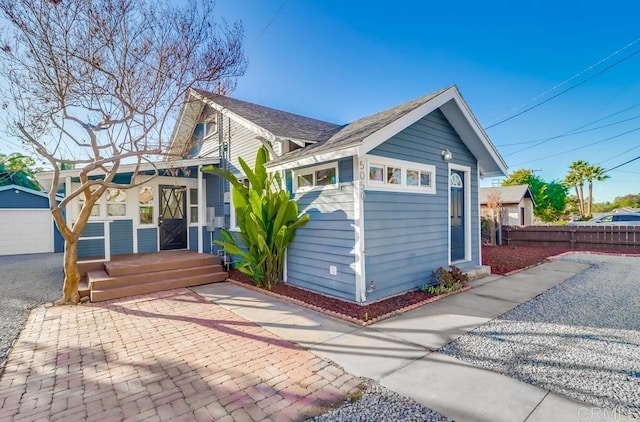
point(400, 352)
point(165, 356)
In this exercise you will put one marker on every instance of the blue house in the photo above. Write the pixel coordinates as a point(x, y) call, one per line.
point(392, 196)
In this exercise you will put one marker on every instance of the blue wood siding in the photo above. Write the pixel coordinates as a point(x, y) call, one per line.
point(10, 199)
point(193, 238)
point(58, 240)
point(148, 240)
point(121, 237)
point(93, 229)
point(406, 234)
point(327, 240)
point(93, 248)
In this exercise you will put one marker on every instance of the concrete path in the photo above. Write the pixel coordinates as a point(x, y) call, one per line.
point(400, 352)
point(164, 356)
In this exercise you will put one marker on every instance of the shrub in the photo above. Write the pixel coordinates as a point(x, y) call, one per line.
point(443, 281)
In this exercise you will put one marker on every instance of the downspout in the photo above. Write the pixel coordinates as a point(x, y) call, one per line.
point(201, 217)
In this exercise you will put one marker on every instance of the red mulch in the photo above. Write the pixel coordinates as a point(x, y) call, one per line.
point(353, 310)
point(504, 259)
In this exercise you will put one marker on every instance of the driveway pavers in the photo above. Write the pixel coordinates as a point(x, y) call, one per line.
point(163, 356)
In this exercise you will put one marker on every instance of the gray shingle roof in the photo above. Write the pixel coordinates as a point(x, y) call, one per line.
point(280, 123)
point(508, 194)
point(353, 133)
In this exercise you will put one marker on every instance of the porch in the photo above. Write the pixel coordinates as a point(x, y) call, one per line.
point(134, 274)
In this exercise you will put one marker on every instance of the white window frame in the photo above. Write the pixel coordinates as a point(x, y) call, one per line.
point(190, 205)
point(233, 223)
point(372, 160)
point(312, 170)
point(125, 203)
point(153, 205)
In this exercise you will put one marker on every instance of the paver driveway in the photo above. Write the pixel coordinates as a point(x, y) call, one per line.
point(165, 356)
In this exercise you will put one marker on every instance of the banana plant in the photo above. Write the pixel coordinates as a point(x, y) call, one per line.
point(267, 218)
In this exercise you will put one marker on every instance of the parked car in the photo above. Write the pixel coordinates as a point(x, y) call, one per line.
point(616, 219)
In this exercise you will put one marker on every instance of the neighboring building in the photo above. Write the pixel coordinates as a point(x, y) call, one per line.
point(517, 204)
point(392, 196)
point(26, 222)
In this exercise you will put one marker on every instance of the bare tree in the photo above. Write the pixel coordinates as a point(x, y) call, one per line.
point(98, 83)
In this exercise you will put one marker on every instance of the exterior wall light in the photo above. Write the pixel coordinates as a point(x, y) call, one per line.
point(446, 155)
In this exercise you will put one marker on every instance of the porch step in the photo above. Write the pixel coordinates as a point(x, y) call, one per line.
point(98, 295)
point(100, 280)
point(159, 261)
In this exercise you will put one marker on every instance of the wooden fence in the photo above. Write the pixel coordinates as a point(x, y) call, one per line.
point(573, 237)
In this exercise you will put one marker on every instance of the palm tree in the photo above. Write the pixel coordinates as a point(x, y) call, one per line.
point(575, 178)
point(593, 172)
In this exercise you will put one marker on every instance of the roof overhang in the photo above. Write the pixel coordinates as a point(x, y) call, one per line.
point(455, 109)
point(46, 177)
point(19, 188)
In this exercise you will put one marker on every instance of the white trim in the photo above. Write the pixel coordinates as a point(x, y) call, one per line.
point(315, 159)
point(404, 166)
point(201, 218)
point(312, 171)
point(359, 170)
point(285, 270)
point(128, 168)
point(467, 211)
point(479, 216)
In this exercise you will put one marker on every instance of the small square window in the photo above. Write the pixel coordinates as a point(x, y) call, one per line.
point(413, 178)
point(146, 215)
point(305, 181)
point(425, 179)
point(376, 173)
point(193, 215)
point(326, 177)
point(193, 196)
point(394, 175)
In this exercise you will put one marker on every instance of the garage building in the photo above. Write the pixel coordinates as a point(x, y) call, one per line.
point(26, 224)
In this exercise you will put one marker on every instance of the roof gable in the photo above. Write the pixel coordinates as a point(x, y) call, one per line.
point(365, 134)
point(508, 194)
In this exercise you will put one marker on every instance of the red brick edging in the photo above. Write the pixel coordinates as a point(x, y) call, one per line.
point(343, 316)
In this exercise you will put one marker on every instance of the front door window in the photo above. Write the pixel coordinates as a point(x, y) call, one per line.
point(172, 219)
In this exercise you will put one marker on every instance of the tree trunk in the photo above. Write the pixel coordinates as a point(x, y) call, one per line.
point(590, 198)
point(492, 230)
point(71, 275)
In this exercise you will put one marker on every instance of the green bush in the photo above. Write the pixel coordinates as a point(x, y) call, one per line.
point(444, 281)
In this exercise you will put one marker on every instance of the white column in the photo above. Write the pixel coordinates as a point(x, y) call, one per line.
point(201, 216)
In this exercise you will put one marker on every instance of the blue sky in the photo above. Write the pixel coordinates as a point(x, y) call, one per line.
point(342, 60)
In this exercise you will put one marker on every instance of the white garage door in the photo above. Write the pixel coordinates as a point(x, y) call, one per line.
point(25, 231)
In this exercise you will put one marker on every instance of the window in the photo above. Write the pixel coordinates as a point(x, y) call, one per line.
point(455, 180)
point(398, 175)
point(321, 177)
point(116, 202)
point(232, 211)
point(95, 211)
point(193, 206)
point(145, 204)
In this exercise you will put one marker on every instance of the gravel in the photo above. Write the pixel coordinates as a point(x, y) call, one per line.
point(580, 338)
point(381, 405)
point(26, 281)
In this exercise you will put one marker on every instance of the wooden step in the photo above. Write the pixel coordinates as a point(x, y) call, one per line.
point(101, 280)
point(98, 295)
point(159, 261)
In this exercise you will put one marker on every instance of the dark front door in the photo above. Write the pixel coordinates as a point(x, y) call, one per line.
point(456, 184)
point(173, 218)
